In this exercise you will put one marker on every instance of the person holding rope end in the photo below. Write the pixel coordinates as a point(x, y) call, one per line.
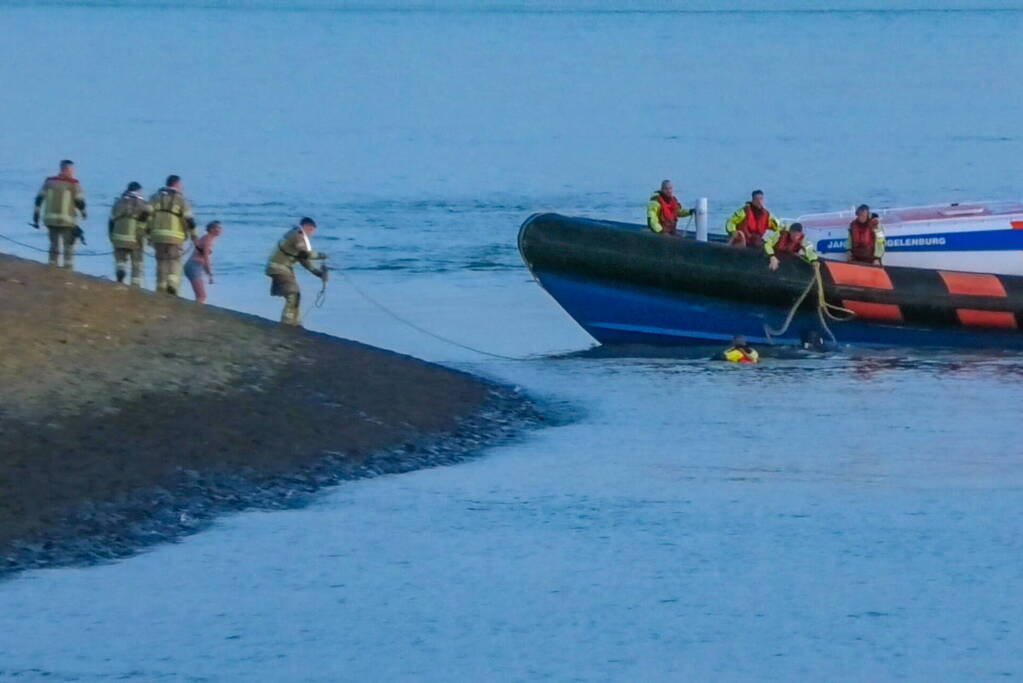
point(294, 246)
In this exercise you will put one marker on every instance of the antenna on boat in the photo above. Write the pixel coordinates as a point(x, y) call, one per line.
point(701, 219)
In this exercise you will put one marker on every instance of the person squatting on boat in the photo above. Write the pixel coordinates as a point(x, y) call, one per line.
point(865, 243)
point(294, 246)
point(201, 260)
point(171, 225)
point(750, 223)
point(740, 351)
point(790, 240)
point(664, 210)
point(127, 229)
point(59, 200)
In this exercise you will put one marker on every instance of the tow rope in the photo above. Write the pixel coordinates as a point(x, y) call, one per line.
point(824, 309)
point(421, 330)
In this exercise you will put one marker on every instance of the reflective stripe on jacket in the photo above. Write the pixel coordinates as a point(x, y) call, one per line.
point(294, 246)
point(128, 220)
point(172, 221)
point(62, 200)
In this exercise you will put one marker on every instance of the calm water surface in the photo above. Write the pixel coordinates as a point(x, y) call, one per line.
point(843, 517)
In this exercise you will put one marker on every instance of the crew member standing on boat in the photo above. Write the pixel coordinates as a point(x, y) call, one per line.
point(865, 243)
point(127, 226)
point(664, 210)
point(789, 240)
point(294, 246)
point(750, 223)
point(171, 225)
point(61, 196)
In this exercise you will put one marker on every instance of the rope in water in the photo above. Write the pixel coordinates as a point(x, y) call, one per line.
point(417, 328)
point(824, 309)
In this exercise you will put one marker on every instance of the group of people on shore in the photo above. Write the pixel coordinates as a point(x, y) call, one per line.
point(165, 221)
point(753, 226)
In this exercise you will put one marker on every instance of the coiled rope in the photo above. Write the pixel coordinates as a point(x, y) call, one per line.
point(824, 309)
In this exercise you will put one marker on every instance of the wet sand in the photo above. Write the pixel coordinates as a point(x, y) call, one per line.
point(127, 418)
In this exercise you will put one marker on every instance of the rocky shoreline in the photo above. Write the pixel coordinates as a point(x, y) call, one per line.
point(130, 419)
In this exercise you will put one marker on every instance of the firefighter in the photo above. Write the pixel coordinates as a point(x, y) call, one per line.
point(127, 228)
point(293, 246)
point(171, 225)
point(61, 199)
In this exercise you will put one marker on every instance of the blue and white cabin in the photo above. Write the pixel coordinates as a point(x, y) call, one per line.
point(983, 237)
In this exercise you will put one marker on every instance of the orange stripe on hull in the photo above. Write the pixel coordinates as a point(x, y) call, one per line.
point(973, 284)
point(974, 318)
point(858, 276)
point(1017, 225)
point(870, 311)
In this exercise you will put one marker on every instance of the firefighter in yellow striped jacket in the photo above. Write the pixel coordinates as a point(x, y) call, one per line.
point(127, 226)
point(172, 223)
point(60, 201)
point(293, 247)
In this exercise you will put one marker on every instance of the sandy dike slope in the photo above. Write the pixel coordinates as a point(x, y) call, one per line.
point(127, 418)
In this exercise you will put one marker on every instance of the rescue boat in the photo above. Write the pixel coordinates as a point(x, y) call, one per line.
point(626, 285)
point(983, 237)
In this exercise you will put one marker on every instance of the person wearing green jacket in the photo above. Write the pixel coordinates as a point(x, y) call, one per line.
point(60, 201)
point(789, 240)
point(127, 227)
point(664, 210)
point(293, 247)
point(750, 223)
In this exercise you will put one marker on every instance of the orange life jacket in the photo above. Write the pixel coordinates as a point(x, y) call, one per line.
point(862, 239)
point(755, 225)
point(790, 242)
point(670, 209)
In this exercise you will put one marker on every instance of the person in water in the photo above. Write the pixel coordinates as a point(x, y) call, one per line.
point(664, 210)
point(201, 261)
point(740, 351)
point(789, 240)
point(750, 223)
point(865, 243)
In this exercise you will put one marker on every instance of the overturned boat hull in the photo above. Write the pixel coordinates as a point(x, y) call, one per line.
point(626, 285)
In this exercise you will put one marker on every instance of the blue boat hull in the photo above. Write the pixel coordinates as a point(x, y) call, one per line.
point(626, 285)
point(615, 314)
